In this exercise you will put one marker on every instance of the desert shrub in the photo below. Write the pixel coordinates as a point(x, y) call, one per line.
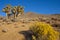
point(43, 31)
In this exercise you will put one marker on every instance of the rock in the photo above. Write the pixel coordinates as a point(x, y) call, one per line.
point(4, 30)
point(14, 20)
point(23, 25)
point(56, 25)
point(53, 18)
point(16, 26)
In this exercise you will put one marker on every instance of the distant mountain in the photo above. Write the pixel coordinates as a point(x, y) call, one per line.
point(56, 14)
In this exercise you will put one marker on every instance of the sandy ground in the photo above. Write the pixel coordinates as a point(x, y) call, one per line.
point(11, 31)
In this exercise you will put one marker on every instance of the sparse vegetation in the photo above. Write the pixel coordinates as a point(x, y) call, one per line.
point(19, 22)
point(43, 31)
point(16, 10)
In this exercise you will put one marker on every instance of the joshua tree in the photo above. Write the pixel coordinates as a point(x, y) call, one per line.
point(20, 10)
point(7, 10)
point(14, 11)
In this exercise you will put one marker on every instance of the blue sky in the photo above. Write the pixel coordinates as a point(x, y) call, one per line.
point(37, 6)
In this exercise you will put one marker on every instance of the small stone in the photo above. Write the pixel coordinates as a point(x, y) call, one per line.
point(16, 26)
point(8, 22)
point(4, 30)
point(23, 25)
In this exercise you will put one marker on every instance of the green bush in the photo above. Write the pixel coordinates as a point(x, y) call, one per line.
point(43, 31)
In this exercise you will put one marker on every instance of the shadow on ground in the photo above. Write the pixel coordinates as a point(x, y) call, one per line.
point(27, 34)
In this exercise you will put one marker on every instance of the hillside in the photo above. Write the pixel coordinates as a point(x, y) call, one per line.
point(10, 28)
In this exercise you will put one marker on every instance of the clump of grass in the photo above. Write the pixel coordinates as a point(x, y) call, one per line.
point(43, 31)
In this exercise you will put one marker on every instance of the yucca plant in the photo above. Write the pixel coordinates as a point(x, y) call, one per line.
point(20, 10)
point(7, 10)
point(43, 31)
point(14, 11)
